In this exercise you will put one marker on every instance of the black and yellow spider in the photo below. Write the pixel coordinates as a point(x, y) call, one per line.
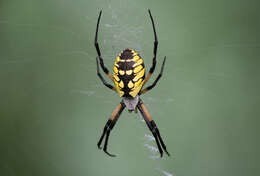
point(129, 78)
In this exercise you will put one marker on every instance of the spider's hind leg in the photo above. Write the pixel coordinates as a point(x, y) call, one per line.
point(153, 128)
point(109, 126)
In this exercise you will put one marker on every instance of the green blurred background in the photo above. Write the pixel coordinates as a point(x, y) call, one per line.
point(53, 106)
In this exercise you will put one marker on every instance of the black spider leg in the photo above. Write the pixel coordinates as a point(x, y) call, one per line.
point(153, 128)
point(109, 126)
point(155, 44)
point(102, 79)
point(104, 68)
point(156, 80)
point(154, 50)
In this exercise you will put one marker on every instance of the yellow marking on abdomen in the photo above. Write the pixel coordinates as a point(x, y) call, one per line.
point(117, 59)
point(138, 68)
point(139, 62)
point(116, 65)
point(130, 84)
point(116, 77)
point(121, 72)
point(136, 88)
point(121, 84)
point(133, 51)
point(117, 87)
point(139, 75)
point(121, 93)
point(136, 58)
point(115, 70)
point(138, 82)
point(129, 72)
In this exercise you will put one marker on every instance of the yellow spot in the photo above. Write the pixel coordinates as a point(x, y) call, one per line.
point(117, 87)
point(133, 52)
point(121, 93)
point(129, 72)
point(137, 88)
point(121, 72)
point(116, 77)
point(136, 58)
point(139, 62)
point(139, 75)
point(138, 82)
point(117, 59)
point(115, 70)
point(116, 65)
point(137, 69)
point(121, 84)
point(130, 84)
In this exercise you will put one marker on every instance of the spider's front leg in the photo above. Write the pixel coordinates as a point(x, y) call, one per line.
point(103, 80)
point(154, 50)
point(109, 126)
point(153, 128)
point(104, 68)
point(155, 81)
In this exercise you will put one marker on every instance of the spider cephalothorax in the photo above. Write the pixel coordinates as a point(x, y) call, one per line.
point(129, 79)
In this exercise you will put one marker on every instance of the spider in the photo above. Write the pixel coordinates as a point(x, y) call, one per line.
point(129, 79)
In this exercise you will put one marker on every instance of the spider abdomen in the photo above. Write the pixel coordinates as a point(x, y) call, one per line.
point(129, 73)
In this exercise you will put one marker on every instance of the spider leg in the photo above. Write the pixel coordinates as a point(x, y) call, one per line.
point(156, 80)
point(154, 50)
point(109, 126)
point(153, 128)
point(104, 68)
point(102, 79)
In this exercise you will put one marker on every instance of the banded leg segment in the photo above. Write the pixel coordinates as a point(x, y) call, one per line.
point(102, 79)
point(104, 68)
point(154, 50)
point(156, 80)
point(153, 128)
point(109, 126)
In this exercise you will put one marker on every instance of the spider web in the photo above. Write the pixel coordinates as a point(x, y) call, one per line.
point(119, 37)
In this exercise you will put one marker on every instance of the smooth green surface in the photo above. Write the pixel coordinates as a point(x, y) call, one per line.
point(53, 106)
